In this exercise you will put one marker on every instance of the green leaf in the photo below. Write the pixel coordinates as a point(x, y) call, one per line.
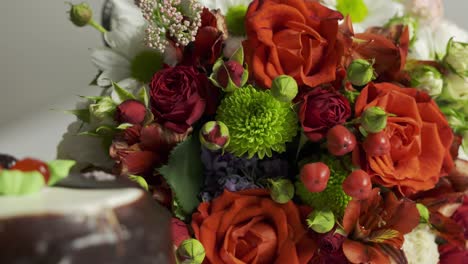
point(357, 9)
point(184, 174)
point(238, 56)
point(122, 93)
point(16, 183)
point(423, 212)
point(59, 169)
point(321, 221)
point(143, 96)
point(82, 114)
point(282, 190)
point(140, 180)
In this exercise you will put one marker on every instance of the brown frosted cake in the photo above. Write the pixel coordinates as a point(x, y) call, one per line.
point(85, 220)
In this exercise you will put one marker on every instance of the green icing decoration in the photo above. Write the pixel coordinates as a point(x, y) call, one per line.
point(258, 123)
point(184, 174)
point(16, 182)
point(59, 169)
point(333, 197)
point(357, 9)
point(146, 64)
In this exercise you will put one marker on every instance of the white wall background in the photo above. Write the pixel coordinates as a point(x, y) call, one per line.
point(44, 64)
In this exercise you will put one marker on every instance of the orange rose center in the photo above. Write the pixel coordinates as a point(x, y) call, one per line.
point(254, 242)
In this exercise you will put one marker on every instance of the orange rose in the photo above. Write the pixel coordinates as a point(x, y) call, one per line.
point(293, 37)
point(419, 135)
point(248, 227)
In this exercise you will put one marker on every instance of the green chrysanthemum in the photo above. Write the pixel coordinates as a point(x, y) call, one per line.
point(258, 123)
point(333, 197)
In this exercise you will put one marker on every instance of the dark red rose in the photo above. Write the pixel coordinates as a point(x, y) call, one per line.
point(322, 110)
point(177, 97)
point(130, 111)
point(130, 135)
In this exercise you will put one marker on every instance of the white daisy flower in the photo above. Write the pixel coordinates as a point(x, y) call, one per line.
point(126, 60)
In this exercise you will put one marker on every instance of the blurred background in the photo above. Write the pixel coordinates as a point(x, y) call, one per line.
point(45, 65)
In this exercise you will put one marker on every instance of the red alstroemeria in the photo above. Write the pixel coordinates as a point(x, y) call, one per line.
point(376, 227)
point(388, 49)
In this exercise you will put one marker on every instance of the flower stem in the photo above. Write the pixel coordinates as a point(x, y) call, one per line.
point(97, 26)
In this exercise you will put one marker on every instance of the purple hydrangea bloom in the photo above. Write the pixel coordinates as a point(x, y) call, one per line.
point(226, 171)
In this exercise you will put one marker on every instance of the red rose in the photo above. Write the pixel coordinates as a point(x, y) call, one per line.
point(292, 37)
point(322, 110)
point(130, 111)
point(177, 97)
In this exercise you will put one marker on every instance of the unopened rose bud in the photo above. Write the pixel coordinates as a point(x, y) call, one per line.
point(81, 14)
point(231, 70)
point(103, 108)
point(457, 57)
point(191, 251)
point(408, 21)
point(374, 119)
point(284, 88)
point(360, 72)
point(455, 88)
point(130, 111)
point(214, 135)
point(428, 79)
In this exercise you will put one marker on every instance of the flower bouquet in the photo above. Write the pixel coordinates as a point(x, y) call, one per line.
point(285, 131)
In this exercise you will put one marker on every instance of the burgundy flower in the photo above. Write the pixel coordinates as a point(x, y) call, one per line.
point(130, 111)
point(133, 160)
point(322, 110)
point(178, 97)
point(330, 249)
point(207, 47)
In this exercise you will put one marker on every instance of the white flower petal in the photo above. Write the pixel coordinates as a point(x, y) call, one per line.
point(107, 59)
point(380, 11)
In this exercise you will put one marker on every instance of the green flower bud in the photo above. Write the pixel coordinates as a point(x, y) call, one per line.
point(191, 251)
point(281, 191)
point(284, 88)
point(360, 72)
point(103, 108)
point(455, 88)
point(408, 21)
point(214, 135)
point(235, 18)
point(321, 221)
point(423, 212)
point(457, 57)
point(81, 14)
point(428, 79)
point(374, 119)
